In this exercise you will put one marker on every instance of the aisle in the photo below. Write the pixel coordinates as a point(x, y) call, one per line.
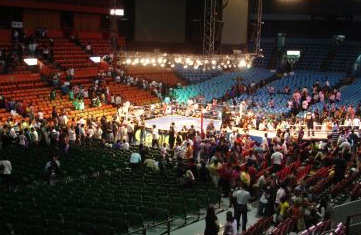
point(198, 227)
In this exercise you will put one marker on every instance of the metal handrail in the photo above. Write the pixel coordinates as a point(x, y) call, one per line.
point(144, 229)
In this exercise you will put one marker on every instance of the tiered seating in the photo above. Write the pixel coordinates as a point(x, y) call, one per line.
point(313, 53)
point(132, 94)
point(195, 75)
point(100, 46)
point(350, 96)
point(298, 81)
point(317, 229)
point(30, 89)
point(217, 86)
point(109, 203)
point(340, 191)
point(287, 170)
point(320, 174)
point(259, 227)
point(322, 185)
point(345, 57)
point(268, 49)
point(158, 74)
point(284, 228)
point(68, 55)
point(356, 192)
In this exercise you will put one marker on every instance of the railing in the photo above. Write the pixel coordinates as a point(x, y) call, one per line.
point(143, 230)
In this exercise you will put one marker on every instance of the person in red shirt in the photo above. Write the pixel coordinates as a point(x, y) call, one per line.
point(225, 178)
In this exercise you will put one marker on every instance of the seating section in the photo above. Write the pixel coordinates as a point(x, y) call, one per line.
point(217, 86)
point(158, 74)
point(68, 55)
point(345, 57)
point(29, 89)
point(312, 54)
point(192, 75)
point(114, 202)
point(100, 46)
point(297, 81)
point(320, 228)
point(267, 50)
point(132, 94)
point(350, 96)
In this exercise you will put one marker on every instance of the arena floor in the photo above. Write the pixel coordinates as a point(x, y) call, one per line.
point(163, 123)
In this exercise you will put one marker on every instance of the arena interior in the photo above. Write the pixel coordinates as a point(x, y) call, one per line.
point(180, 117)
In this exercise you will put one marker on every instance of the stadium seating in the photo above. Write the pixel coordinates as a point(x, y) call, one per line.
point(298, 81)
point(345, 57)
point(68, 55)
point(192, 75)
point(30, 89)
point(313, 53)
point(108, 198)
point(158, 74)
point(350, 96)
point(267, 50)
point(100, 47)
point(217, 86)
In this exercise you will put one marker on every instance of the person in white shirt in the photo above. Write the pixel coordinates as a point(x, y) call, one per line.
point(265, 146)
point(90, 132)
point(98, 133)
point(5, 171)
point(130, 132)
point(34, 136)
point(277, 160)
point(40, 115)
point(72, 135)
point(356, 122)
point(22, 139)
point(125, 145)
point(155, 136)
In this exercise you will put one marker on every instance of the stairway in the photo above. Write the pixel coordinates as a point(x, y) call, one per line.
point(329, 58)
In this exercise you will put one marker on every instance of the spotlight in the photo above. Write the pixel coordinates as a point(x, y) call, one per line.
point(32, 61)
point(95, 59)
point(116, 12)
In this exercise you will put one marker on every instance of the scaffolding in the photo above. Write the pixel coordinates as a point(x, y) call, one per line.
point(113, 29)
point(209, 26)
point(256, 35)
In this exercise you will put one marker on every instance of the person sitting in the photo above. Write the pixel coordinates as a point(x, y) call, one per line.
point(135, 160)
point(117, 145)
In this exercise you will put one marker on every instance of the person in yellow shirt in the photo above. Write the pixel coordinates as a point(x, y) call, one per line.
point(245, 177)
point(214, 172)
point(282, 209)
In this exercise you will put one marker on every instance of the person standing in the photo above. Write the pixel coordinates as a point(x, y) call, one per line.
point(230, 228)
point(242, 197)
point(171, 136)
point(277, 158)
point(155, 136)
point(5, 171)
point(212, 226)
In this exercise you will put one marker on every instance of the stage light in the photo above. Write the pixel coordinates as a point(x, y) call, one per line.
point(117, 12)
point(95, 59)
point(128, 61)
point(242, 63)
point(214, 62)
point(31, 61)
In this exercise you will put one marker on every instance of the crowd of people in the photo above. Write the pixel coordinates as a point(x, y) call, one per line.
point(228, 156)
